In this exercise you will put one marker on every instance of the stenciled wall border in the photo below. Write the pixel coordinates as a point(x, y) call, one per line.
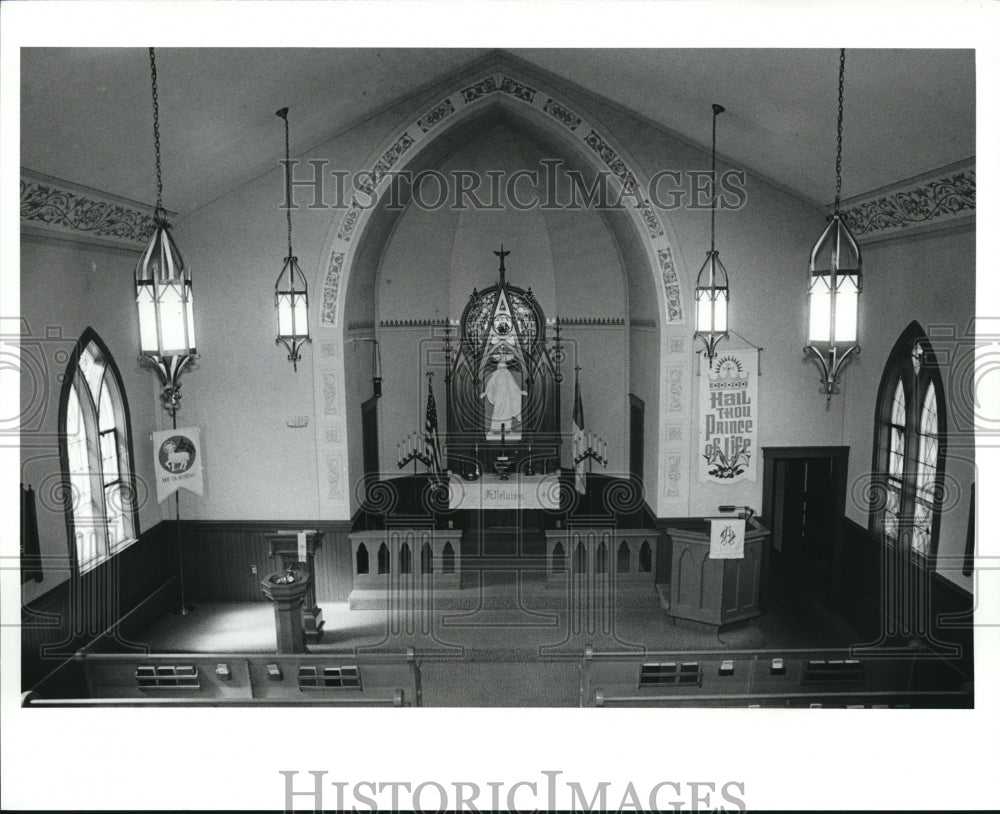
point(52, 207)
point(588, 136)
point(944, 198)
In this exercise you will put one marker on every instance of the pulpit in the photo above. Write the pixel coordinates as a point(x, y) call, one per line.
point(715, 591)
point(297, 549)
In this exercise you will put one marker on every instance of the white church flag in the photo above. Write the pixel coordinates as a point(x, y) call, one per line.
point(177, 461)
point(727, 538)
point(727, 417)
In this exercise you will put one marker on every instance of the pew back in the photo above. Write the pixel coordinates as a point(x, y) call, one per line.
point(224, 678)
point(789, 678)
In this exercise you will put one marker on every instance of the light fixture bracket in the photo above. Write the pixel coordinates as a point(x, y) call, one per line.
point(831, 364)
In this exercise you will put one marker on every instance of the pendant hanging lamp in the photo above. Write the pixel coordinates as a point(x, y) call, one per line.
point(834, 283)
point(164, 294)
point(711, 293)
point(291, 295)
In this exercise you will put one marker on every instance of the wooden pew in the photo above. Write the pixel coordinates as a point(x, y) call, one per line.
point(771, 678)
point(226, 679)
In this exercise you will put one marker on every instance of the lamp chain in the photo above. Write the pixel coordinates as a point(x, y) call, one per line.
point(159, 213)
point(840, 130)
point(716, 110)
point(715, 115)
point(288, 183)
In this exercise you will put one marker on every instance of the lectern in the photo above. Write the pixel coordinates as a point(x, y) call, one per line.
point(715, 592)
point(297, 549)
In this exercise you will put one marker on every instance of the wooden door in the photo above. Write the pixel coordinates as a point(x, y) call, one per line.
point(805, 491)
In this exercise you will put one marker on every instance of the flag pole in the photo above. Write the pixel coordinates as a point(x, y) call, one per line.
point(183, 609)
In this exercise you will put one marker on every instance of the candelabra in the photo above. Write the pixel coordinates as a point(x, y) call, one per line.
point(588, 445)
point(409, 449)
point(557, 352)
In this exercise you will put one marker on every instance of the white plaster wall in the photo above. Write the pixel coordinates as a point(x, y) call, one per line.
point(244, 389)
point(65, 289)
point(930, 279)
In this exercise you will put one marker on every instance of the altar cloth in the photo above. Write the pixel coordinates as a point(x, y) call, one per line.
point(518, 492)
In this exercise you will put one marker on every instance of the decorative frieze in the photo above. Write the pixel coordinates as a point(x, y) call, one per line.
point(413, 323)
point(649, 217)
point(675, 389)
point(385, 164)
point(673, 473)
point(589, 322)
point(671, 287)
point(435, 115)
point(613, 161)
point(933, 201)
point(480, 89)
point(335, 477)
point(517, 90)
point(331, 405)
point(562, 114)
point(331, 289)
point(73, 213)
point(351, 218)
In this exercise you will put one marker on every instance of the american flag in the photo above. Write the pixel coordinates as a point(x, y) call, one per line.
point(579, 441)
point(432, 449)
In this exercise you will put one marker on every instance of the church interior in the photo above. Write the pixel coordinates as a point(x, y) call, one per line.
point(510, 406)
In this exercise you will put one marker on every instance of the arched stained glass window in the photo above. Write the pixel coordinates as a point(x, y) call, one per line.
point(927, 465)
point(909, 456)
point(897, 457)
point(95, 447)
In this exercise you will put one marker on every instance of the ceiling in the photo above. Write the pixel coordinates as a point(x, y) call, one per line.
point(86, 113)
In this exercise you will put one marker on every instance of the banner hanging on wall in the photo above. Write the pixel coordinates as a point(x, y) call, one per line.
point(727, 417)
point(177, 461)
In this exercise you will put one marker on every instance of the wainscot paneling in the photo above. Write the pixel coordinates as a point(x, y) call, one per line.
point(225, 561)
point(105, 608)
point(894, 600)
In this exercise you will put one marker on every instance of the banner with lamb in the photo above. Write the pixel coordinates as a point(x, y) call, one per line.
point(177, 459)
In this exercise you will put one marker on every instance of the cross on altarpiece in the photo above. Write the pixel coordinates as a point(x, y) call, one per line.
point(503, 269)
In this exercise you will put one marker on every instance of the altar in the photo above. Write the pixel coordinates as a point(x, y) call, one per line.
point(502, 380)
point(519, 491)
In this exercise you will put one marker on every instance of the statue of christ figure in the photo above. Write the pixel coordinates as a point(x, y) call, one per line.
point(504, 393)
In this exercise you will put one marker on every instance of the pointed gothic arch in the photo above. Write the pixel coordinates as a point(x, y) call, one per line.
point(564, 125)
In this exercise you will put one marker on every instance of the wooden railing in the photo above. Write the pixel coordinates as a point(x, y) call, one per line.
point(778, 678)
point(227, 679)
